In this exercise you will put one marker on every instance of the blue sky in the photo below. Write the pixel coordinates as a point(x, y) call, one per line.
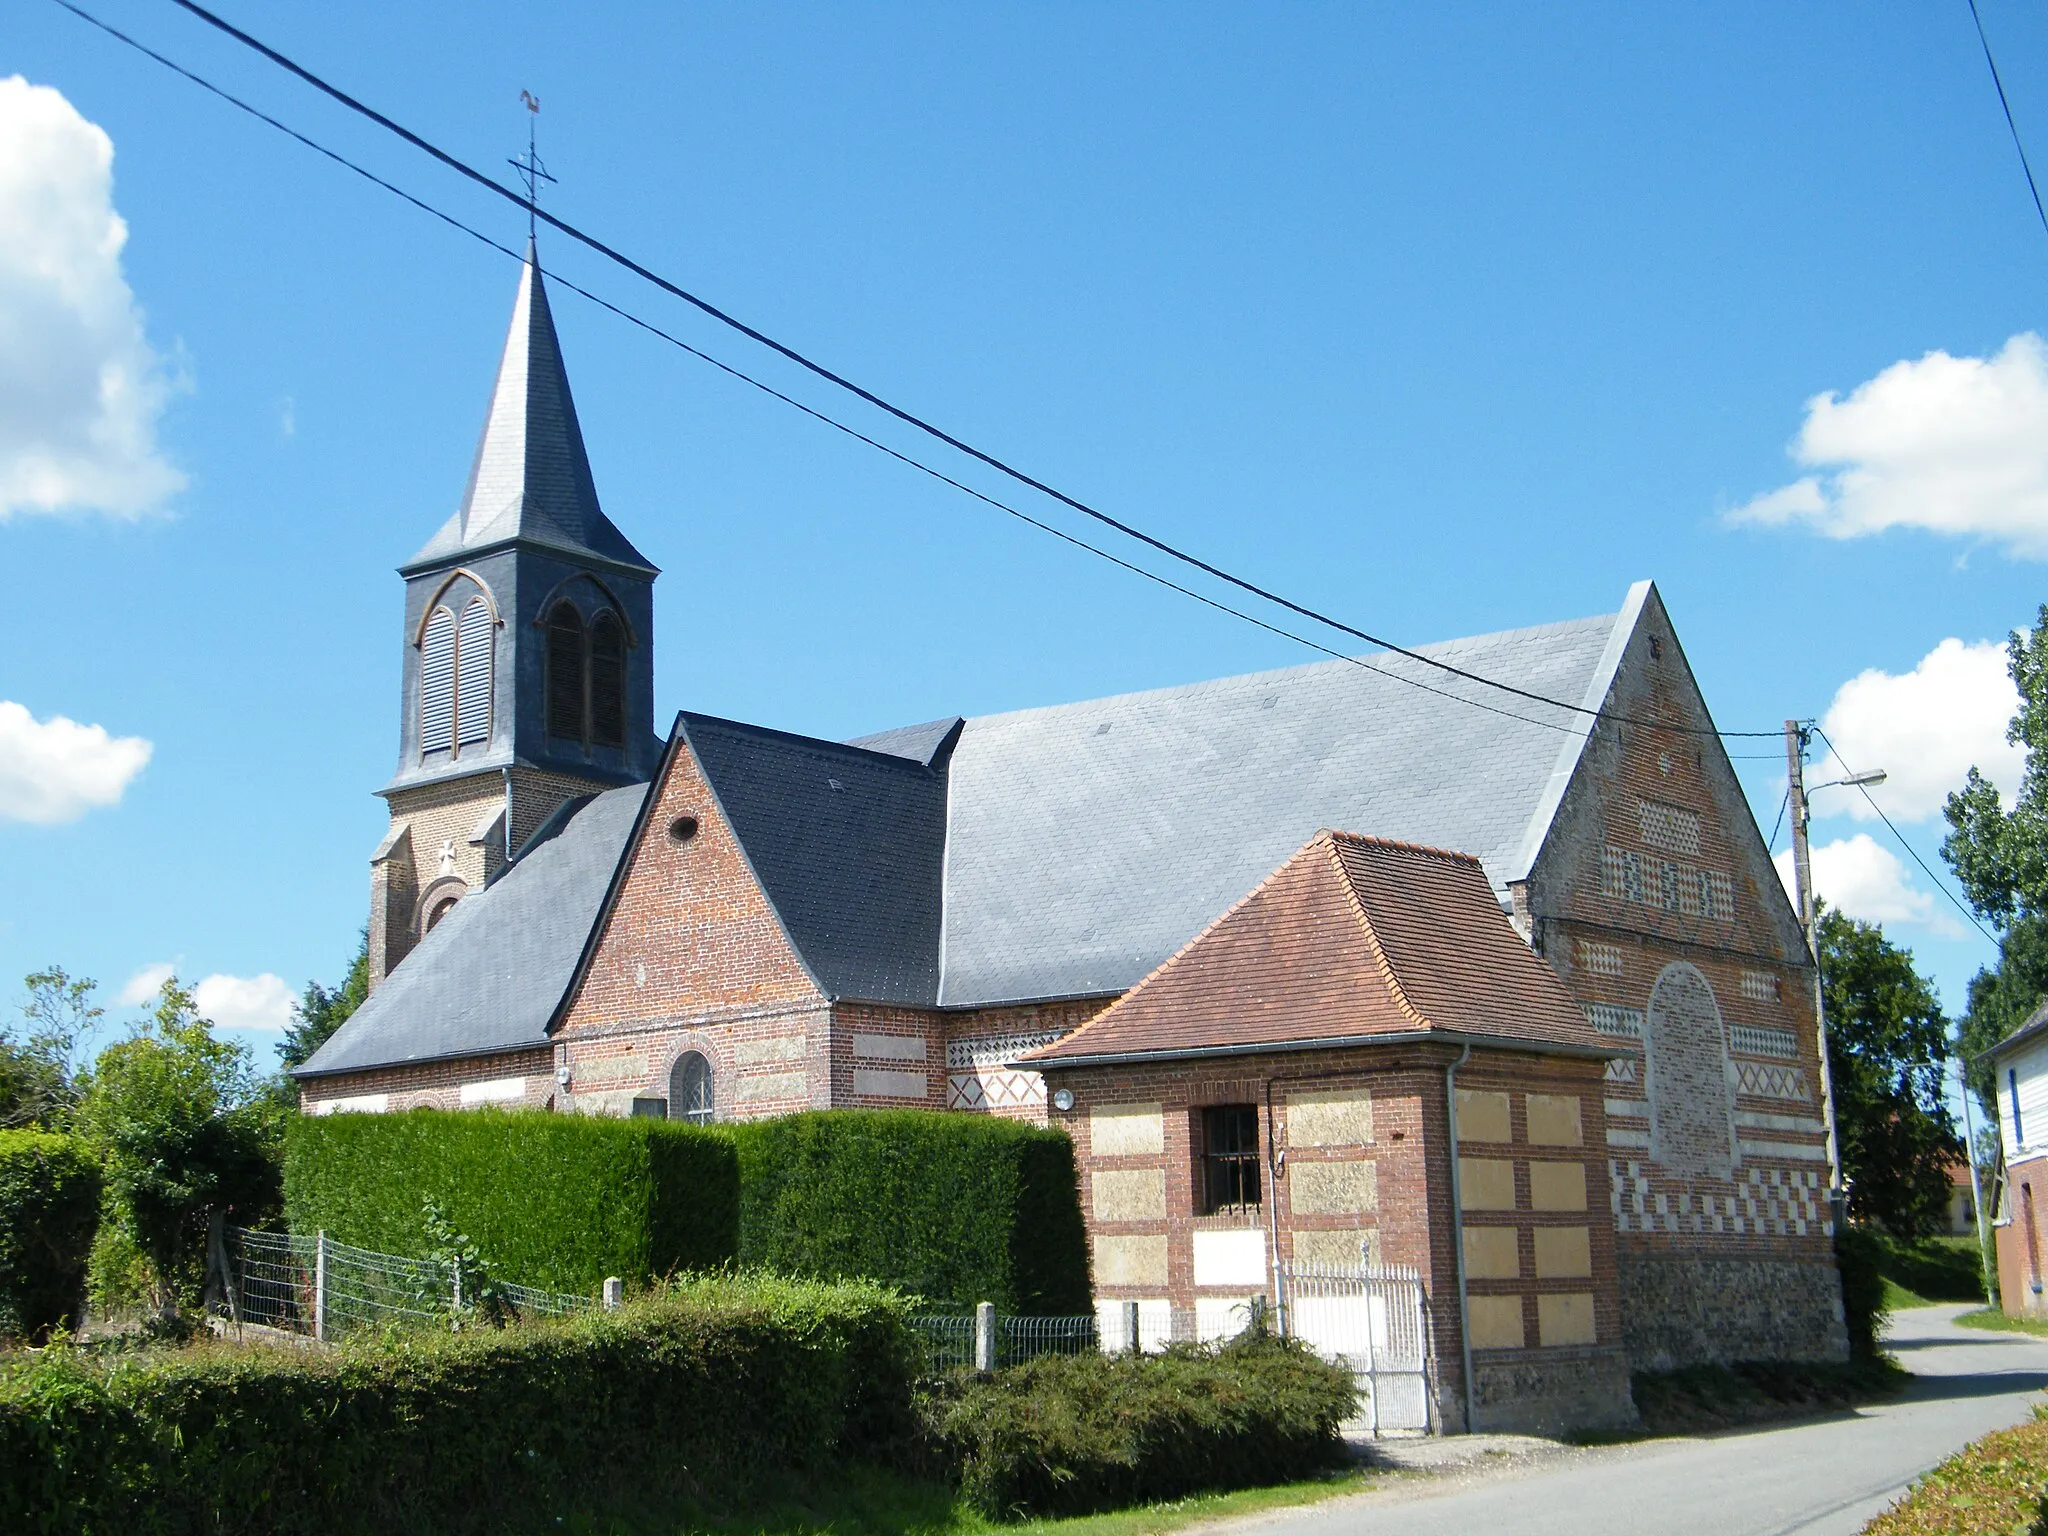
point(1445, 320)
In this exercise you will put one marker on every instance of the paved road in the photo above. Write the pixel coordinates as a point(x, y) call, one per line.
point(1820, 1477)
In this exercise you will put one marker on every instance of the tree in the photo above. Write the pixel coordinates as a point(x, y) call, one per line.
point(36, 1084)
point(320, 1011)
point(2000, 855)
point(182, 1128)
point(1887, 1045)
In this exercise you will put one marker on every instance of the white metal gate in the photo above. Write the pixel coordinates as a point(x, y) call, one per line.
point(1376, 1322)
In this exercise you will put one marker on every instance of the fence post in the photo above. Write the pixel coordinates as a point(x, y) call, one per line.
point(457, 1294)
point(614, 1293)
point(320, 1286)
point(984, 1336)
point(1132, 1342)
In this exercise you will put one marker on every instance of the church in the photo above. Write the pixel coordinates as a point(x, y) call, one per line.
point(1506, 979)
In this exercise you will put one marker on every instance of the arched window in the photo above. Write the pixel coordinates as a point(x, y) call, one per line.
point(440, 909)
point(607, 681)
point(473, 645)
point(437, 683)
point(565, 673)
point(689, 1089)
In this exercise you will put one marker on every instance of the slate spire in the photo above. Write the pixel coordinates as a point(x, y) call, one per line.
point(531, 478)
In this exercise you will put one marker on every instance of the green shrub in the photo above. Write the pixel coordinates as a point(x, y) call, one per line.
point(708, 1389)
point(1070, 1435)
point(1996, 1484)
point(956, 1208)
point(1935, 1268)
point(558, 1201)
point(1860, 1259)
point(49, 1210)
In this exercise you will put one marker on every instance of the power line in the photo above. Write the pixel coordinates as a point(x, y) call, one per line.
point(2009, 123)
point(770, 390)
point(1941, 885)
point(907, 417)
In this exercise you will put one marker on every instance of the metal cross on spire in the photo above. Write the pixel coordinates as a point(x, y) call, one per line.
point(530, 169)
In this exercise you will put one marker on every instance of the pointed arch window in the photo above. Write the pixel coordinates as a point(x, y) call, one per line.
point(607, 681)
point(565, 672)
point(689, 1090)
point(475, 640)
point(437, 683)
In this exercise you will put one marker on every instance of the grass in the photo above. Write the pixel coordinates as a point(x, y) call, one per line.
point(1931, 1270)
point(1992, 1319)
point(865, 1502)
point(1992, 1486)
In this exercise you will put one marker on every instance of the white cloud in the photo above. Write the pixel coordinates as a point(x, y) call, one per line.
point(1861, 879)
point(56, 769)
point(1953, 445)
point(142, 988)
point(245, 1002)
point(80, 387)
point(1926, 729)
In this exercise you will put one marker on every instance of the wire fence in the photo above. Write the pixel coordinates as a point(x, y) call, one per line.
point(327, 1290)
point(950, 1342)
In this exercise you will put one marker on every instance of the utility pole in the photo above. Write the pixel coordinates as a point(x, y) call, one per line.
point(1802, 875)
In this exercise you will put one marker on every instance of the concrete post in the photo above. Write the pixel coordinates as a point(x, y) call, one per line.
point(614, 1293)
point(320, 1287)
point(984, 1336)
point(1132, 1341)
point(456, 1295)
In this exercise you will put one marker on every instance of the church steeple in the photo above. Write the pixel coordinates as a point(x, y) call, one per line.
point(531, 478)
point(528, 671)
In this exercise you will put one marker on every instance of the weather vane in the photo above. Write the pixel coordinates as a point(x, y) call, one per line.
point(530, 169)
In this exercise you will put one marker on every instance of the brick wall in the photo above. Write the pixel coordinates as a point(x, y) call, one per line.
point(2022, 1237)
point(1367, 1169)
point(1655, 902)
point(693, 957)
point(512, 1079)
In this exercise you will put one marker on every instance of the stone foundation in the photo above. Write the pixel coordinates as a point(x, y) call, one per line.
point(1552, 1391)
point(1702, 1311)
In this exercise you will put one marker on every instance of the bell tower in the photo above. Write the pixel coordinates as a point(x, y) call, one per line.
point(527, 656)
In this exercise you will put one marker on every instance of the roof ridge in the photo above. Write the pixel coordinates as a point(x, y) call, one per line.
point(800, 738)
point(1430, 850)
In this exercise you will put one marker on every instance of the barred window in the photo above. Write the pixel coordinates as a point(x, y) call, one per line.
point(565, 673)
point(474, 642)
point(1230, 1158)
point(607, 681)
point(1669, 827)
point(437, 683)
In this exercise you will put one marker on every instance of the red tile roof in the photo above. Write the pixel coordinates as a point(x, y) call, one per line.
point(1352, 937)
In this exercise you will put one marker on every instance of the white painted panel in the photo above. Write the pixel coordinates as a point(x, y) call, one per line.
point(497, 1091)
point(1155, 1325)
point(361, 1104)
point(889, 1047)
point(1235, 1256)
point(1798, 1151)
point(1220, 1317)
point(880, 1083)
point(2031, 1068)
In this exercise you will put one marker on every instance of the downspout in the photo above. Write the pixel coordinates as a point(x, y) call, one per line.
point(1276, 1159)
point(1458, 1231)
point(508, 814)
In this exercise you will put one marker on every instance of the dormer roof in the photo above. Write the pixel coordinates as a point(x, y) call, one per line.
point(531, 480)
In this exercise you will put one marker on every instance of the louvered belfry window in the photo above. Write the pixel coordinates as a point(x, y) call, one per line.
point(437, 683)
point(565, 673)
point(473, 674)
point(607, 681)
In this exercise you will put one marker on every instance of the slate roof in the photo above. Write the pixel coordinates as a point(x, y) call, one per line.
point(1349, 939)
point(490, 974)
point(849, 845)
point(1086, 842)
point(531, 478)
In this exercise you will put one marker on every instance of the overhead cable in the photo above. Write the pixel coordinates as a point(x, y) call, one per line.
point(2012, 127)
point(512, 195)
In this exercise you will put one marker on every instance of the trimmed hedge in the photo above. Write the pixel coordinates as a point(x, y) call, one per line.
point(557, 1201)
point(710, 1390)
point(1071, 1435)
point(49, 1210)
point(955, 1208)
